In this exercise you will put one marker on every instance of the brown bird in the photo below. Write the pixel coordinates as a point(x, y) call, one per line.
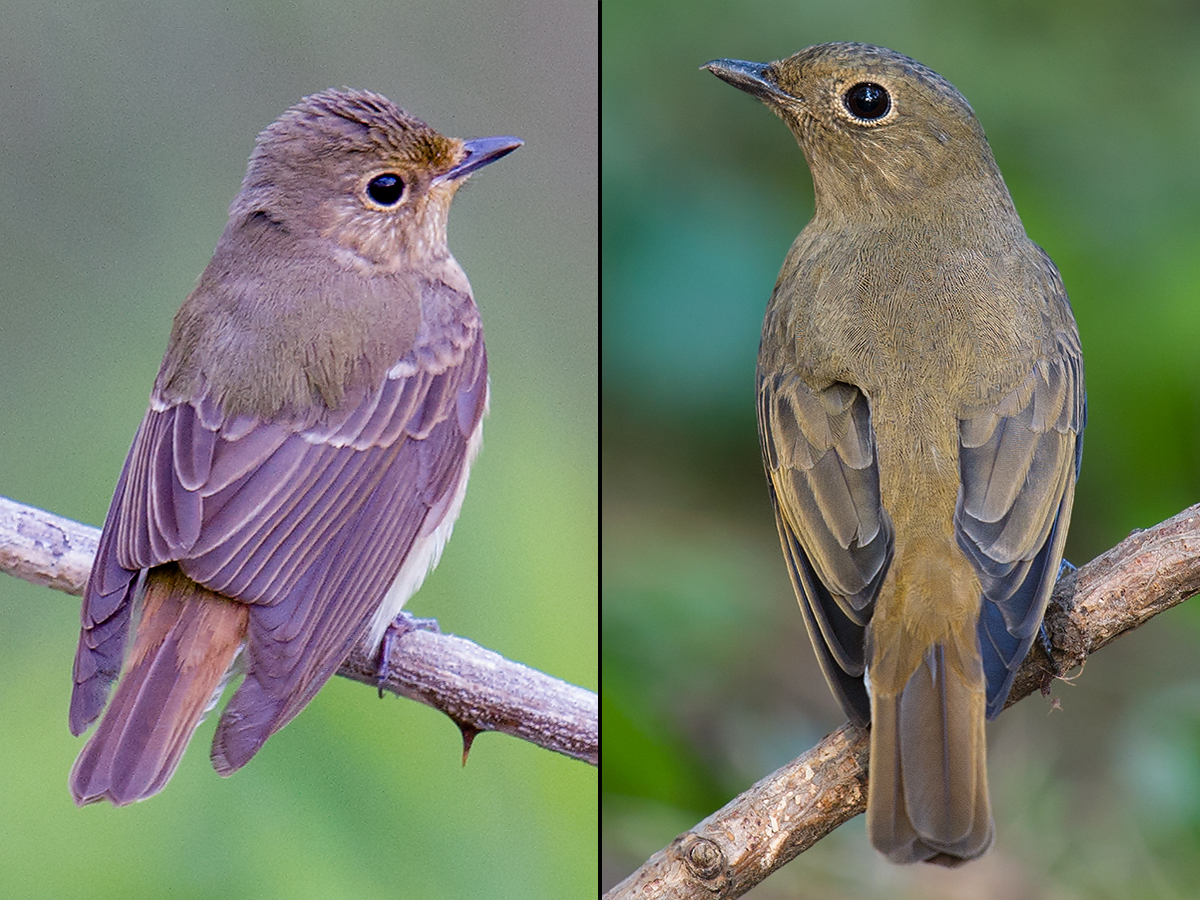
point(306, 449)
point(921, 409)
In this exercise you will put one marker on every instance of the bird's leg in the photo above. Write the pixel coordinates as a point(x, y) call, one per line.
point(1064, 568)
point(397, 628)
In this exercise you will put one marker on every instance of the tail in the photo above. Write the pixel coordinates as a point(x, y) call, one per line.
point(186, 641)
point(928, 796)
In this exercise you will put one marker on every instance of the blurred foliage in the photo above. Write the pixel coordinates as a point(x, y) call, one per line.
point(709, 679)
point(126, 131)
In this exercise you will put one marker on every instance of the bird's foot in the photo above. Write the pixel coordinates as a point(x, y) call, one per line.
point(397, 628)
point(1044, 643)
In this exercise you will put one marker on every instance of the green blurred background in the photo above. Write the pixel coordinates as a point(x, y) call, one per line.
point(124, 133)
point(709, 680)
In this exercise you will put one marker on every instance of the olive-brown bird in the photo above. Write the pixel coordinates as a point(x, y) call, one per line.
point(921, 408)
point(306, 449)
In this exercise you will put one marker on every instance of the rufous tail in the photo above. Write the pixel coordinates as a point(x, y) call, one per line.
point(186, 641)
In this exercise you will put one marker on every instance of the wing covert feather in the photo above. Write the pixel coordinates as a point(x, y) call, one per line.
point(1019, 461)
point(308, 523)
point(836, 537)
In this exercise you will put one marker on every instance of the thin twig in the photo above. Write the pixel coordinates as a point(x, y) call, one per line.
point(791, 809)
point(480, 690)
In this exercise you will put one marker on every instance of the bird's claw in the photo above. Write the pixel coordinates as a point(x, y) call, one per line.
point(397, 628)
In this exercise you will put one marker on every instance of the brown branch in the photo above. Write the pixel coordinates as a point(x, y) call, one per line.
point(791, 809)
point(478, 689)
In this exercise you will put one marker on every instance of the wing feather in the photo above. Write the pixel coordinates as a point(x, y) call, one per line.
point(1019, 461)
point(309, 523)
point(836, 536)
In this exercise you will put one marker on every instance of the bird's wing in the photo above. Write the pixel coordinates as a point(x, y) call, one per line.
point(1019, 460)
point(309, 525)
point(821, 465)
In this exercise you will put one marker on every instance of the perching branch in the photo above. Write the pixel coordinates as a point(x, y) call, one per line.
point(791, 809)
point(478, 689)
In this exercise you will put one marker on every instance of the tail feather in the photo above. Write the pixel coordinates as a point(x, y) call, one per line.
point(928, 789)
point(251, 717)
point(187, 640)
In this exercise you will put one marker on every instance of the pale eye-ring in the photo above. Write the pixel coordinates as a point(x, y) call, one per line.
point(867, 101)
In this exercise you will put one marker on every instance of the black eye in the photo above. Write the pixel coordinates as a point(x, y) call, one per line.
point(867, 100)
point(385, 189)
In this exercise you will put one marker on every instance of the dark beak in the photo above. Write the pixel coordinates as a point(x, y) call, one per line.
point(751, 77)
point(480, 152)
